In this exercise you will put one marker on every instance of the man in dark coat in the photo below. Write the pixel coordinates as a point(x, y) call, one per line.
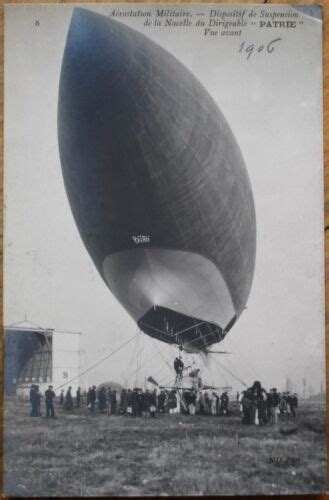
point(123, 402)
point(161, 401)
point(102, 400)
point(134, 402)
point(224, 400)
point(88, 396)
point(78, 397)
point(68, 399)
point(139, 402)
point(92, 398)
point(49, 396)
point(61, 397)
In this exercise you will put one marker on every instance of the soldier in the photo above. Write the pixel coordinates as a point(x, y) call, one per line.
point(78, 397)
point(50, 395)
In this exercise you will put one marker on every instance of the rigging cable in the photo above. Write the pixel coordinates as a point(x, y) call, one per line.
point(98, 362)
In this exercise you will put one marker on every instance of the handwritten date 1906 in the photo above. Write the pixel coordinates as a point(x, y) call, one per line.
point(254, 48)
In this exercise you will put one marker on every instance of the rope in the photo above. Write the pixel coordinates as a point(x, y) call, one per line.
point(98, 362)
point(232, 374)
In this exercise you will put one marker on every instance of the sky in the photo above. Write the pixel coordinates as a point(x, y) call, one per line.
point(273, 104)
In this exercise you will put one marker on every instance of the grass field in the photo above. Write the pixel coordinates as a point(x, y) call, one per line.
point(80, 454)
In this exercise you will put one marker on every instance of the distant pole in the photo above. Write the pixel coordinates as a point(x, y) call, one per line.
point(304, 388)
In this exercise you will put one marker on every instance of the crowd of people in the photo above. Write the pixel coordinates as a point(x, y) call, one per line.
point(260, 407)
point(257, 406)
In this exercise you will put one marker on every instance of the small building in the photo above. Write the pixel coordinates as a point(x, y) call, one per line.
point(34, 355)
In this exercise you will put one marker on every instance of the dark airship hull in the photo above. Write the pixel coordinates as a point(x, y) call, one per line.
point(156, 183)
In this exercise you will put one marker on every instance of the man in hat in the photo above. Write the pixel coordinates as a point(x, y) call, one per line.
point(50, 395)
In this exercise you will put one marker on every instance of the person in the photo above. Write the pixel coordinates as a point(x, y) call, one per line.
point(129, 402)
point(288, 400)
point(273, 401)
point(146, 403)
point(135, 403)
point(162, 401)
point(61, 397)
point(172, 401)
point(248, 407)
point(224, 401)
point(207, 403)
point(102, 403)
point(178, 366)
point(113, 402)
point(123, 402)
point(201, 403)
point(153, 403)
point(50, 395)
point(88, 396)
point(78, 397)
point(68, 399)
point(192, 402)
point(293, 403)
point(33, 401)
point(139, 402)
point(214, 404)
point(258, 396)
point(92, 398)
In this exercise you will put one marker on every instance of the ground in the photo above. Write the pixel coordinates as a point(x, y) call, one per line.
point(81, 454)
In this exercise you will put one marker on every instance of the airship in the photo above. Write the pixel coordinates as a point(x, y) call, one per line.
point(156, 182)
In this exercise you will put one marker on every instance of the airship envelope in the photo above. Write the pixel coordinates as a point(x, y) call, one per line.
point(156, 183)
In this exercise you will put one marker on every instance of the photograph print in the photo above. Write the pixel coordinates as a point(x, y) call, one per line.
point(164, 251)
